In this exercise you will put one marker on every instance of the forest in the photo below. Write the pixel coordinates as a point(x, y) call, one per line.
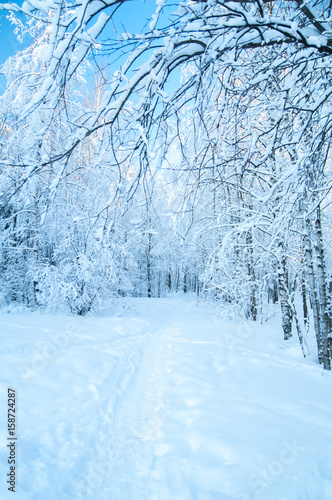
point(192, 155)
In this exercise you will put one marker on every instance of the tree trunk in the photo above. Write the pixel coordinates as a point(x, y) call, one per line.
point(169, 281)
point(304, 300)
point(148, 265)
point(312, 288)
point(251, 273)
point(325, 321)
point(286, 311)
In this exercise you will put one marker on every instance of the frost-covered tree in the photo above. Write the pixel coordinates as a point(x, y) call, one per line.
point(256, 94)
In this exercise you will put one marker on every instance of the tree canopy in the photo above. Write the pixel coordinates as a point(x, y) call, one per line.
point(207, 138)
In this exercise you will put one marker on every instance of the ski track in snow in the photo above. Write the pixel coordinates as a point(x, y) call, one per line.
point(164, 402)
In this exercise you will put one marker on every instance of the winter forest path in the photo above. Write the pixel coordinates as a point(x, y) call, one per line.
point(164, 401)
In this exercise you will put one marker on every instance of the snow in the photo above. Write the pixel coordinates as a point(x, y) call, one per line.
point(37, 4)
point(93, 32)
point(161, 399)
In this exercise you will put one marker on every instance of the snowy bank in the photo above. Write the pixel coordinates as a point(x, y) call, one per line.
point(163, 401)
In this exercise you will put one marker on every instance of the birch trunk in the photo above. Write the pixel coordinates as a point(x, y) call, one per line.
point(252, 313)
point(325, 322)
point(313, 288)
point(286, 311)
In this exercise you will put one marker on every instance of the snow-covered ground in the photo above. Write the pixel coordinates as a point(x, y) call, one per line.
point(163, 401)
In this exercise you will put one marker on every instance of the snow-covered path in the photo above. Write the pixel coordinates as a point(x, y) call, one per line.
point(164, 401)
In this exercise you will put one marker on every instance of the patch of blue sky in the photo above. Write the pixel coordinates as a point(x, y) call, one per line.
point(132, 17)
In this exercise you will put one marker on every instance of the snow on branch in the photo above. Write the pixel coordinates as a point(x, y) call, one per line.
point(204, 32)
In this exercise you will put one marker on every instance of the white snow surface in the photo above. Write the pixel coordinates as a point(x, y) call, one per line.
point(163, 400)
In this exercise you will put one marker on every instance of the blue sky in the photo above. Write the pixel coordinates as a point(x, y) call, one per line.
point(130, 17)
point(8, 41)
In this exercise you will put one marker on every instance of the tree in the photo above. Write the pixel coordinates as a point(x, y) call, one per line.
point(262, 135)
